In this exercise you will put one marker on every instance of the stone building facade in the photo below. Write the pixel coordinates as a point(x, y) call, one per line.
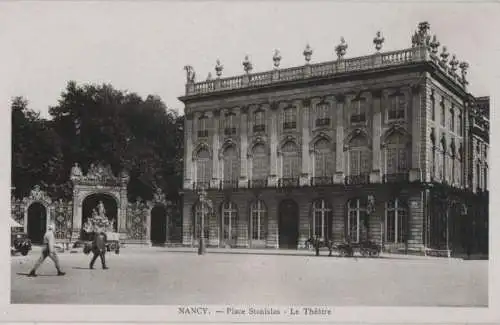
point(292, 153)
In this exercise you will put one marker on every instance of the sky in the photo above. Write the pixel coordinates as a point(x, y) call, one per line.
point(142, 47)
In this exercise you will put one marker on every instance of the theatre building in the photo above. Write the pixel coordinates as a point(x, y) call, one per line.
point(383, 146)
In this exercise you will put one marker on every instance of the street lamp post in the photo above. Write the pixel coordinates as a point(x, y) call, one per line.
point(203, 201)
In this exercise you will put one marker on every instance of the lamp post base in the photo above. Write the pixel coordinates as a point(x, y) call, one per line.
point(201, 247)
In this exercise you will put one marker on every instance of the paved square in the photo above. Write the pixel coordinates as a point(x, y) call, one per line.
point(170, 277)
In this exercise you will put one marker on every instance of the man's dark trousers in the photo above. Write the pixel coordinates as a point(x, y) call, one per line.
point(102, 255)
point(99, 249)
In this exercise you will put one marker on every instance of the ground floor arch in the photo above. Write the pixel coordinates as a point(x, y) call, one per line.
point(37, 222)
point(159, 225)
point(288, 224)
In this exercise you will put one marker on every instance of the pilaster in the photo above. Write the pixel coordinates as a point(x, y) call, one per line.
point(339, 153)
point(304, 108)
point(274, 139)
point(377, 131)
point(416, 112)
point(215, 117)
point(188, 161)
point(243, 181)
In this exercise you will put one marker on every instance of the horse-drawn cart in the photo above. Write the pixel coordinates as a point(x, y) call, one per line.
point(346, 249)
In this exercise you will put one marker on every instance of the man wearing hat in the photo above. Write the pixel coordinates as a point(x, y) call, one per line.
point(48, 250)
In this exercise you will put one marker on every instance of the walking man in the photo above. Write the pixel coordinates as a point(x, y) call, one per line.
point(99, 249)
point(48, 250)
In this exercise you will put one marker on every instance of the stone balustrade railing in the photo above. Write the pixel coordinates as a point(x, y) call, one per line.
point(324, 69)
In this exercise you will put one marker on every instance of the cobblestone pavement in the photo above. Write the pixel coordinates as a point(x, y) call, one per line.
point(179, 276)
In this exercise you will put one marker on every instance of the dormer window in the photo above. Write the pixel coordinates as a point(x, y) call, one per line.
point(397, 107)
point(230, 124)
point(289, 118)
point(322, 114)
point(259, 124)
point(358, 111)
point(203, 127)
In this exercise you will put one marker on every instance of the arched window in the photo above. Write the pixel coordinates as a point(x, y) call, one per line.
point(258, 213)
point(229, 221)
point(396, 154)
point(322, 214)
point(291, 160)
point(231, 165)
point(443, 161)
point(396, 215)
point(356, 211)
point(201, 212)
point(359, 156)
point(478, 175)
point(260, 162)
point(324, 160)
point(203, 167)
point(485, 174)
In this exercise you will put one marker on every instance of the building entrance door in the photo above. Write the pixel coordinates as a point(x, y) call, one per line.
point(288, 224)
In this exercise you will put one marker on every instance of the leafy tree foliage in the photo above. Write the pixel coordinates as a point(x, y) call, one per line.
point(97, 123)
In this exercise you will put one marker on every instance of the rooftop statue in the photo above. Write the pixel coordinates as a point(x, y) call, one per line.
point(190, 74)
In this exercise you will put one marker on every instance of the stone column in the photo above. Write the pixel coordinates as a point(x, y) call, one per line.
point(122, 213)
point(415, 111)
point(273, 144)
point(77, 216)
point(376, 134)
point(214, 183)
point(188, 153)
point(305, 107)
point(243, 181)
point(339, 153)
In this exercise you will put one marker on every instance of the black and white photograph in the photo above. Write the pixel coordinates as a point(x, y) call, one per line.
point(248, 161)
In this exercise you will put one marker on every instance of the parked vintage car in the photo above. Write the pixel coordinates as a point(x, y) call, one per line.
point(19, 241)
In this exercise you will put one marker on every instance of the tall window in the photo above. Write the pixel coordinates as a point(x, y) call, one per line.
point(230, 124)
point(396, 214)
point(433, 106)
point(231, 164)
point(443, 161)
point(203, 167)
point(443, 113)
point(260, 162)
point(322, 114)
point(397, 108)
point(396, 160)
point(478, 175)
point(229, 219)
point(200, 212)
point(290, 118)
point(258, 213)
point(460, 124)
point(452, 119)
point(323, 159)
point(291, 160)
point(358, 109)
point(322, 219)
point(259, 121)
point(359, 156)
point(485, 174)
point(203, 127)
point(355, 215)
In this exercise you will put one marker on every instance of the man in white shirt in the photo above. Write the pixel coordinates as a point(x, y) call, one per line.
point(48, 250)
